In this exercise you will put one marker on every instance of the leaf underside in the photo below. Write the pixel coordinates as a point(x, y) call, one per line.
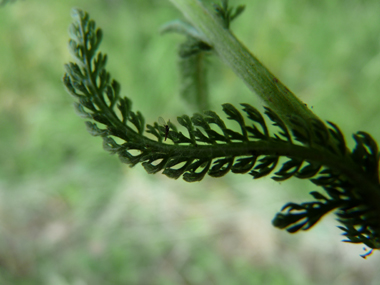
point(313, 150)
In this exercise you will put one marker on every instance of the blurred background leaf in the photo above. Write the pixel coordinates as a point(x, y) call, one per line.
point(72, 214)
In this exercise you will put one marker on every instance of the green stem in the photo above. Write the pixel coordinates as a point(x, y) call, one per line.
point(255, 75)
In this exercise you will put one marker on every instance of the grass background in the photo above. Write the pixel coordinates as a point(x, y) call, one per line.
point(72, 214)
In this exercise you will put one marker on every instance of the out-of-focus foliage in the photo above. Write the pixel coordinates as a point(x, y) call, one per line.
point(3, 2)
point(67, 216)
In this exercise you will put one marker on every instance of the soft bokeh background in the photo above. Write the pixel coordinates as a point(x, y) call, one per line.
point(70, 213)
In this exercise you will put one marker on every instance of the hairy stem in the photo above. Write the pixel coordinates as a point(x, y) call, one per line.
point(255, 75)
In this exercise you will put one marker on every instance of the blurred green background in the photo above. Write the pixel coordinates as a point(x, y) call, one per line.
point(70, 213)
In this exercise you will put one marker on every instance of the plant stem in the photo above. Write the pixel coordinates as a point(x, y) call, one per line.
point(255, 75)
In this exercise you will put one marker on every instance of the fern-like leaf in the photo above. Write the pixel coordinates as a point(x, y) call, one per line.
point(350, 179)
